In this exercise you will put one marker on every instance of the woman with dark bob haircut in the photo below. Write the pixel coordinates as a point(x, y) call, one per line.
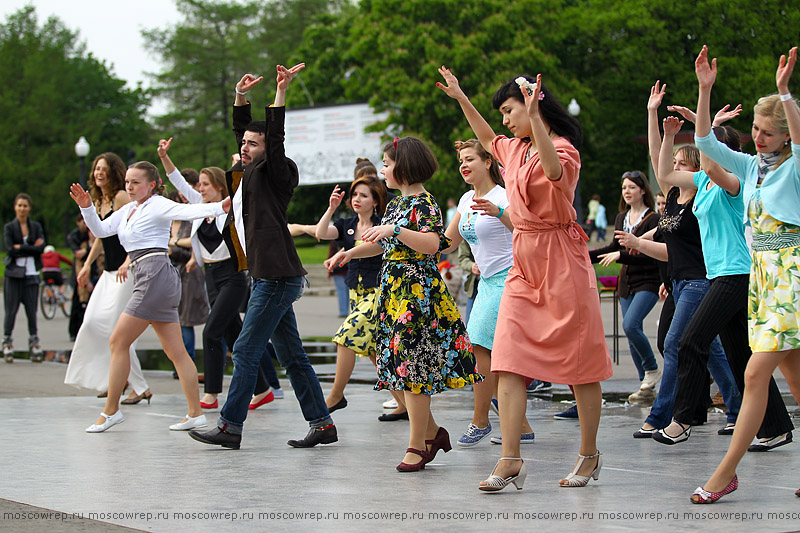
point(552, 283)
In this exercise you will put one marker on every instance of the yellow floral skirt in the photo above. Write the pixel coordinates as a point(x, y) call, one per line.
point(358, 330)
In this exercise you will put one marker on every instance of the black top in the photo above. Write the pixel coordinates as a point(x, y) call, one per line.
point(209, 235)
point(112, 249)
point(639, 272)
point(680, 231)
point(267, 187)
point(12, 234)
point(369, 267)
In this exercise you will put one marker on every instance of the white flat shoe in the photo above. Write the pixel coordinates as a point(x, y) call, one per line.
point(190, 423)
point(391, 403)
point(111, 420)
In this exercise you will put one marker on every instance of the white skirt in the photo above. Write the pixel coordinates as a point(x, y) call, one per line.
point(91, 355)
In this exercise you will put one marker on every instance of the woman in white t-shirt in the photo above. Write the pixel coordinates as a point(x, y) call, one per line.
point(483, 221)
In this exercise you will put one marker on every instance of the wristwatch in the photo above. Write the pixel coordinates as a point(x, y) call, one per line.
point(397, 228)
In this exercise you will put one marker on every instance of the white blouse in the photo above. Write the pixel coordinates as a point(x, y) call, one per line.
point(201, 255)
point(146, 225)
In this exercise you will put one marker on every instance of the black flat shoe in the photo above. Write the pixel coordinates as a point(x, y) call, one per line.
point(664, 438)
point(727, 430)
point(341, 404)
point(392, 417)
point(644, 433)
point(326, 435)
point(769, 444)
point(217, 437)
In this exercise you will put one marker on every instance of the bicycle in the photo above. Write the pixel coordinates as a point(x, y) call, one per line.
point(50, 298)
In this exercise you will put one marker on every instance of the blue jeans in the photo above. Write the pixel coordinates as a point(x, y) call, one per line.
point(634, 308)
point(342, 294)
point(187, 332)
point(270, 316)
point(688, 294)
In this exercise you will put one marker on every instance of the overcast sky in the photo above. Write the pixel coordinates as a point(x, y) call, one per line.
point(111, 30)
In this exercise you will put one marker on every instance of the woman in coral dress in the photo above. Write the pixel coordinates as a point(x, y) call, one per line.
point(549, 325)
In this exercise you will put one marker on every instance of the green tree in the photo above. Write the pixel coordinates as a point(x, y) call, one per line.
point(52, 93)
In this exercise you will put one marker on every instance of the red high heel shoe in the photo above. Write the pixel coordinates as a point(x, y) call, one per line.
point(440, 442)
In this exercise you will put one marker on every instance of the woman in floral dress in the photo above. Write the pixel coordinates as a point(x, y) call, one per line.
point(769, 183)
point(422, 344)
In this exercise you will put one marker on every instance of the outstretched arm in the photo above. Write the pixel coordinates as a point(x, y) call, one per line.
point(483, 131)
point(174, 175)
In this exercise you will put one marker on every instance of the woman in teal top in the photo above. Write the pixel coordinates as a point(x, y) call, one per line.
point(770, 182)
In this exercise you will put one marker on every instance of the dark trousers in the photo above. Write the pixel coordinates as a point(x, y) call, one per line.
point(703, 401)
point(76, 314)
point(722, 312)
point(23, 291)
point(227, 289)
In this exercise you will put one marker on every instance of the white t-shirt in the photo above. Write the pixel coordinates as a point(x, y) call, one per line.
point(489, 239)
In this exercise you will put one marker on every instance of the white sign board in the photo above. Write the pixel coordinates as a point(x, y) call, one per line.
point(326, 141)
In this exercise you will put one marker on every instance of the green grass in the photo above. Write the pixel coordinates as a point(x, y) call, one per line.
point(310, 251)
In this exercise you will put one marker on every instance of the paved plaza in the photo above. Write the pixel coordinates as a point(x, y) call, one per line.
point(142, 476)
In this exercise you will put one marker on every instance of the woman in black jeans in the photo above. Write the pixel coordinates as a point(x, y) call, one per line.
point(24, 241)
point(226, 286)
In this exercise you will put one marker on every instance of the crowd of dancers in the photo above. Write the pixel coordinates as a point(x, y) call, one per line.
point(536, 313)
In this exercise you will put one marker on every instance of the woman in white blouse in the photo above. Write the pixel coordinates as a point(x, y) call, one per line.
point(143, 227)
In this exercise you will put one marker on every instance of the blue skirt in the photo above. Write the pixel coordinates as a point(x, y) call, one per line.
point(483, 318)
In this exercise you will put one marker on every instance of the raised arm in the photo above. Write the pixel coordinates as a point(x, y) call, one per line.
point(483, 131)
point(782, 76)
point(706, 76)
point(174, 175)
point(323, 229)
point(284, 78)
point(667, 176)
point(653, 134)
point(100, 228)
point(548, 156)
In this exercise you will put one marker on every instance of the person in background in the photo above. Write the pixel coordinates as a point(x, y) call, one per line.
point(78, 241)
point(24, 240)
point(591, 216)
point(51, 267)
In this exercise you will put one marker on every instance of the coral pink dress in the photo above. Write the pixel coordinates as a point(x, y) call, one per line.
point(549, 326)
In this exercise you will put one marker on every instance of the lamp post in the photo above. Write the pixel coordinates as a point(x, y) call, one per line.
point(82, 150)
point(573, 108)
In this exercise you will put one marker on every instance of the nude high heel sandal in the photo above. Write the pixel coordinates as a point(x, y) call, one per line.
point(574, 480)
point(495, 483)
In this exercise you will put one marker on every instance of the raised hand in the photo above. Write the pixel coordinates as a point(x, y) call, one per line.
point(723, 115)
point(336, 197)
point(656, 96)
point(532, 100)
point(785, 68)
point(80, 196)
point(163, 147)
point(452, 88)
point(706, 72)
point(672, 125)
point(247, 82)
point(286, 75)
point(685, 112)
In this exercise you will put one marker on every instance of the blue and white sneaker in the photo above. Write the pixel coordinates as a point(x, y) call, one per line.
point(537, 385)
point(474, 435)
point(525, 438)
point(569, 414)
point(493, 406)
point(278, 393)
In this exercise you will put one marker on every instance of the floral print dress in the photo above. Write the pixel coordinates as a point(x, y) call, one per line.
point(422, 343)
point(774, 286)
